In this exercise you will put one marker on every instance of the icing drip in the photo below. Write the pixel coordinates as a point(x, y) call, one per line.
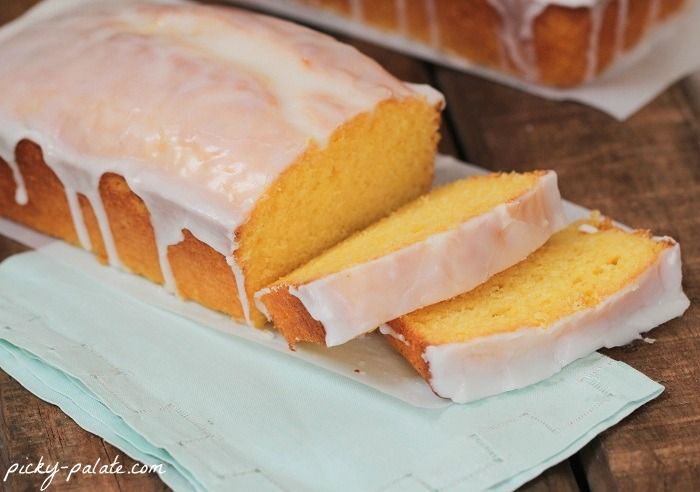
point(105, 230)
point(77, 217)
point(621, 26)
point(167, 232)
point(356, 9)
point(433, 23)
point(597, 14)
point(654, 10)
point(517, 35)
point(81, 182)
point(162, 108)
point(20, 188)
point(240, 285)
point(402, 15)
point(7, 154)
point(517, 32)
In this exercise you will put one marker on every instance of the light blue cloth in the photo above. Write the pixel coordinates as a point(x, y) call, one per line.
point(226, 414)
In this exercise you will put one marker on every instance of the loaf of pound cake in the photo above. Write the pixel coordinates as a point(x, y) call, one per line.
point(592, 285)
point(561, 43)
point(206, 148)
point(440, 245)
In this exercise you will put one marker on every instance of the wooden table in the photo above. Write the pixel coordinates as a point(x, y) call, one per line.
point(644, 172)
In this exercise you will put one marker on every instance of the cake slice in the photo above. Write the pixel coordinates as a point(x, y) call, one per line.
point(592, 285)
point(436, 247)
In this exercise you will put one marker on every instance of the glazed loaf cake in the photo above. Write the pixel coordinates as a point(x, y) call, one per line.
point(208, 149)
point(438, 246)
point(592, 285)
point(555, 42)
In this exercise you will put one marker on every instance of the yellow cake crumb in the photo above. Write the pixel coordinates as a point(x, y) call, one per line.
point(576, 269)
point(442, 209)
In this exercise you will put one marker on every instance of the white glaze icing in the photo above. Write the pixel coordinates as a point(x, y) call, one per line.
point(240, 285)
point(654, 11)
point(433, 23)
point(199, 108)
point(402, 16)
point(597, 15)
point(517, 35)
point(621, 26)
point(490, 365)
point(356, 300)
point(77, 218)
point(588, 228)
point(20, 188)
point(356, 9)
point(433, 97)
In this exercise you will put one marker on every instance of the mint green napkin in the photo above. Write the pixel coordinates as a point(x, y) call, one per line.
point(222, 413)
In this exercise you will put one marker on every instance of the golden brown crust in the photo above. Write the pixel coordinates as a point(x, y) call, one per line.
point(381, 13)
point(637, 21)
point(669, 7)
point(47, 210)
point(562, 36)
point(340, 6)
point(204, 276)
point(200, 272)
point(608, 36)
point(417, 21)
point(130, 223)
point(291, 317)
point(471, 29)
point(411, 347)
point(93, 229)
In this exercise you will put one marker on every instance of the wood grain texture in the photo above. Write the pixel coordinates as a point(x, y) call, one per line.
point(11, 9)
point(692, 89)
point(559, 478)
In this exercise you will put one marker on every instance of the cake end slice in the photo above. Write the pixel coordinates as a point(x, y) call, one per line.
point(592, 285)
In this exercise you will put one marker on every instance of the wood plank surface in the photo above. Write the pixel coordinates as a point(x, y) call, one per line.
point(11, 9)
point(692, 89)
point(644, 172)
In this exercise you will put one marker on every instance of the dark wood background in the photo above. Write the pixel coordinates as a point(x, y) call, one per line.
point(644, 172)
